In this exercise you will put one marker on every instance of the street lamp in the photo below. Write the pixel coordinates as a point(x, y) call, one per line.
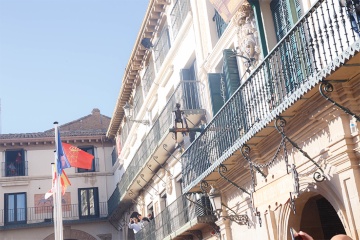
point(128, 109)
point(216, 202)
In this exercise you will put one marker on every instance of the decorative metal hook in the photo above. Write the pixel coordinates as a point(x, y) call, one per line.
point(204, 185)
point(223, 169)
point(148, 183)
point(143, 187)
point(162, 166)
point(279, 125)
point(328, 87)
point(149, 167)
point(164, 147)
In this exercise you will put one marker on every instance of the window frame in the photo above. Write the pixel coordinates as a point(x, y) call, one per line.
point(12, 167)
point(95, 206)
point(94, 162)
point(15, 209)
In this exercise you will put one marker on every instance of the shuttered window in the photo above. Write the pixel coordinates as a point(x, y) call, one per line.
point(215, 87)
point(231, 72)
point(283, 22)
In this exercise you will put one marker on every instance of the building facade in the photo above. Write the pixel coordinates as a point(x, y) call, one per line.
point(26, 176)
point(253, 101)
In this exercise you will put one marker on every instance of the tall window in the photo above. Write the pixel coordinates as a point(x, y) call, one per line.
point(90, 150)
point(178, 15)
point(88, 202)
point(220, 24)
point(15, 163)
point(282, 11)
point(162, 47)
point(15, 208)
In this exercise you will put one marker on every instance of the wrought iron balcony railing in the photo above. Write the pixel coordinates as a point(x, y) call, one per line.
point(15, 218)
point(173, 217)
point(12, 169)
point(309, 52)
point(178, 14)
point(188, 94)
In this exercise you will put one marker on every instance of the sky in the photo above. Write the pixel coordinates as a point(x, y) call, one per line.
point(60, 59)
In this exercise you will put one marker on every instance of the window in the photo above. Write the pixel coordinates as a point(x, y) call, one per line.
point(220, 24)
point(178, 15)
point(15, 164)
point(90, 150)
point(15, 208)
point(88, 202)
point(162, 47)
point(190, 87)
point(282, 11)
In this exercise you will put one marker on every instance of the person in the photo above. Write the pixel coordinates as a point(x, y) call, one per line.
point(12, 169)
point(353, 12)
point(143, 219)
point(135, 225)
point(304, 236)
point(341, 237)
point(150, 216)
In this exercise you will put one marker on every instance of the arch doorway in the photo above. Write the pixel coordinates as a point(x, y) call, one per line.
point(319, 219)
point(73, 234)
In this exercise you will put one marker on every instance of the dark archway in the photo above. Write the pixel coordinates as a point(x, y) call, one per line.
point(319, 219)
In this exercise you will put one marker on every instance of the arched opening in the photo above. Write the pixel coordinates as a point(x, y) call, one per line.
point(319, 219)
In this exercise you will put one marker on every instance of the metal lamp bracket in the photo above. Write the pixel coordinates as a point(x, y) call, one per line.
point(328, 87)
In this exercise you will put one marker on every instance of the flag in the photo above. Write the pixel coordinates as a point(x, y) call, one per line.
point(77, 157)
point(62, 160)
point(64, 183)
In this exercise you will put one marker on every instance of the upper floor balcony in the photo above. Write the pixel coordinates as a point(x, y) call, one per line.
point(177, 219)
point(151, 153)
point(12, 218)
point(322, 46)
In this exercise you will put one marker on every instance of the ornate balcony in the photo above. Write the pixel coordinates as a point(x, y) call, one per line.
point(178, 220)
point(152, 151)
point(322, 46)
point(43, 215)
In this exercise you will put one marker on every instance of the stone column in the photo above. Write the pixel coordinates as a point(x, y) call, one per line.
point(225, 230)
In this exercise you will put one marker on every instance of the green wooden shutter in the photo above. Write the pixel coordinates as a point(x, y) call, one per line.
point(281, 16)
point(231, 72)
point(217, 100)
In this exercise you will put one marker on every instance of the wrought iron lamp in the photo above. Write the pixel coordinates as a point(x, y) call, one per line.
point(128, 109)
point(216, 202)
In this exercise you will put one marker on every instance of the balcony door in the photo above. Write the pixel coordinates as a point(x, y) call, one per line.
point(14, 163)
point(15, 208)
point(285, 13)
point(88, 202)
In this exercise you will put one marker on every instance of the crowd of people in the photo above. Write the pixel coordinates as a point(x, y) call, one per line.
point(137, 221)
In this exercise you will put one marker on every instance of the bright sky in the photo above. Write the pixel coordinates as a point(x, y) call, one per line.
point(59, 59)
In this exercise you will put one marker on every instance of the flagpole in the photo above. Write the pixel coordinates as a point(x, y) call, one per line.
point(53, 171)
point(59, 223)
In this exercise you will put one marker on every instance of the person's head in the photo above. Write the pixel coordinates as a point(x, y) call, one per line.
point(341, 237)
point(140, 217)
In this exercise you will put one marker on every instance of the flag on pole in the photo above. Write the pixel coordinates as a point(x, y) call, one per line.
point(62, 161)
point(64, 183)
point(77, 157)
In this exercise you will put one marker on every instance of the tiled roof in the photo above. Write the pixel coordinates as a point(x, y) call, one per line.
point(94, 124)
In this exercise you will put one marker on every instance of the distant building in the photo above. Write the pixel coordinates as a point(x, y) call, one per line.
point(26, 176)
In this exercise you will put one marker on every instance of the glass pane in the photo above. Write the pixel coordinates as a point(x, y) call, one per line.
point(20, 207)
point(10, 208)
point(91, 202)
point(84, 203)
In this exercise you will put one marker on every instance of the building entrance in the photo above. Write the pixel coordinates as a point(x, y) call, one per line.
point(319, 219)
